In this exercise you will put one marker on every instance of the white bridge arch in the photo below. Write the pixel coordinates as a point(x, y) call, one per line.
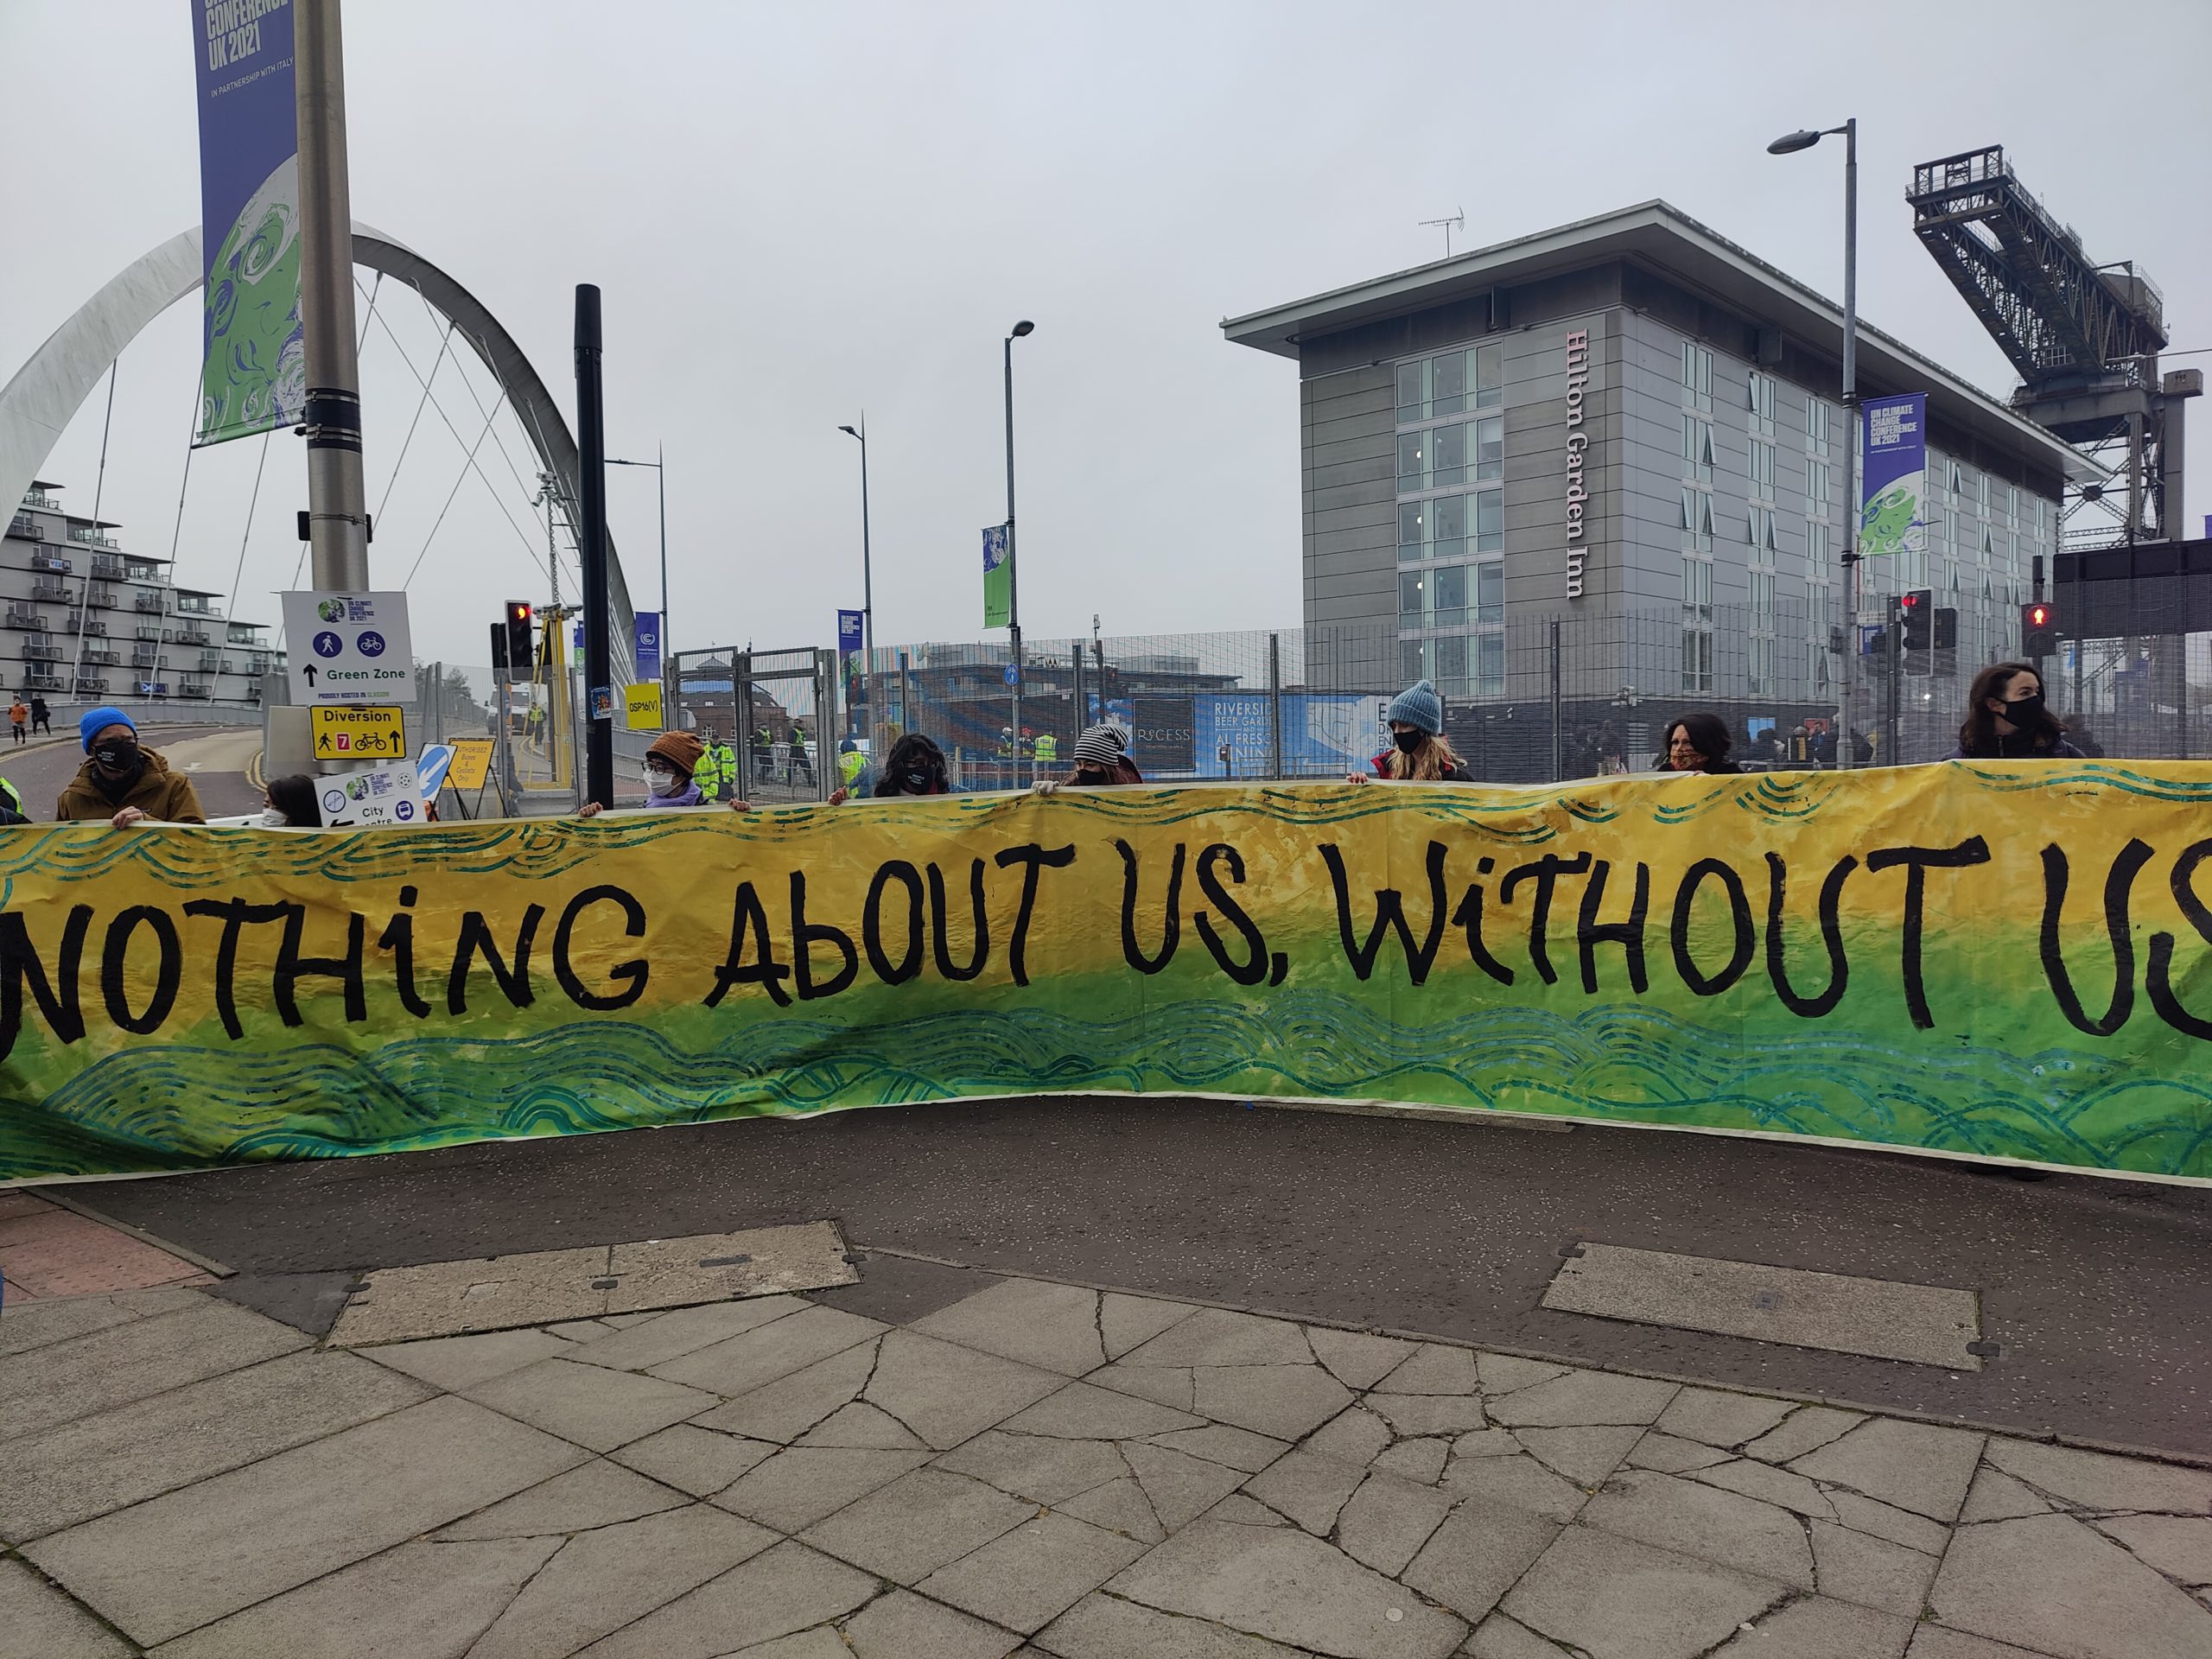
point(38, 403)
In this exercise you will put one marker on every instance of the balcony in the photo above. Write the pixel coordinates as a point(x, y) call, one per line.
point(110, 565)
point(147, 656)
point(40, 498)
point(190, 636)
point(43, 682)
point(92, 684)
point(211, 662)
point(53, 561)
point(50, 593)
point(102, 595)
point(155, 604)
point(196, 688)
point(87, 535)
point(31, 621)
point(41, 652)
point(29, 528)
point(104, 657)
point(148, 630)
point(77, 624)
point(135, 570)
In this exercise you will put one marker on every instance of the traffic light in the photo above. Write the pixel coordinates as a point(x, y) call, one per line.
point(519, 634)
point(1947, 629)
point(2038, 629)
point(1917, 609)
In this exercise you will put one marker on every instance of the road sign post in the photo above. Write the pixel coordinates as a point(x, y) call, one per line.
point(349, 647)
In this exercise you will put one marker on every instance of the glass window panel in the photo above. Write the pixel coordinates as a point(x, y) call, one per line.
point(1412, 516)
point(1409, 391)
point(1410, 586)
point(1489, 522)
point(1450, 595)
point(1447, 382)
point(1448, 526)
point(1448, 456)
point(1489, 449)
point(1489, 592)
point(1452, 665)
point(1410, 445)
point(1490, 376)
point(1413, 660)
point(1490, 663)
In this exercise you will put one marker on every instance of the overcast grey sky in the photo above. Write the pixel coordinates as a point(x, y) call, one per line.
point(797, 211)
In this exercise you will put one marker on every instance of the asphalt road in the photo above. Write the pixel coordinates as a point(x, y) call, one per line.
point(214, 757)
point(2097, 1290)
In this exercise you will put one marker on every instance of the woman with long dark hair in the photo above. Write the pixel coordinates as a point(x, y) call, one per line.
point(1698, 742)
point(2006, 719)
point(914, 767)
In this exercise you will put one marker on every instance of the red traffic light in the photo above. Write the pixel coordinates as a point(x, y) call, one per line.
point(2038, 616)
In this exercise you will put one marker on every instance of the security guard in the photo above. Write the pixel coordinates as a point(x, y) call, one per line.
point(726, 766)
point(709, 775)
point(763, 753)
point(1048, 749)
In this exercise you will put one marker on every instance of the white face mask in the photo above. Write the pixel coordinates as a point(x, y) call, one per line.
point(272, 819)
point(662, 784)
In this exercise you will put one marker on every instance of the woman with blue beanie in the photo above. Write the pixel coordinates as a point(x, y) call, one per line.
point(122, 783)
point(1418, 753)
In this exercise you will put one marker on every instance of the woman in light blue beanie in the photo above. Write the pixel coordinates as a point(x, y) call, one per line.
point(1418, 753)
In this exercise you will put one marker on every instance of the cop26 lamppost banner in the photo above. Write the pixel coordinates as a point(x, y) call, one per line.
point(2009, 961)
point(852, 637)
point(998, 579)
point(253, 366)
point(1894, 518)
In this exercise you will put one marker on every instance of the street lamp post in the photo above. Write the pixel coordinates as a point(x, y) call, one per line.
point(660, 480)
point(1013, 562)
point(867, 582)
point(1788, 144)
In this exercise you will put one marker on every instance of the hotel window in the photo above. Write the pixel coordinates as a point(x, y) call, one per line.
point(1697, 376)
point(1412, 606)
point(1762, 538)
point(1490, 664)
point(1820, 551)
point(1758, 665)
point(1820, 422)
point(1819, 489)
point(1697, 511)
point(1438, 457)
point(1490, 591)
point(1489, 449)
point(1761, 388)
point(1697, 659)
point(1953, 480)
point(1697, 448)
point(1450, 592)
point(1451, 382)
point(1449, 655)
point(1763, 470)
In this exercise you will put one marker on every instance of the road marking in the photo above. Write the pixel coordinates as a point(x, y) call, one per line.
point(1881, 1318)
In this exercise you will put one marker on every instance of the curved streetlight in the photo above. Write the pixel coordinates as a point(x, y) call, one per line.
point(1788, 144)
point(868, 583)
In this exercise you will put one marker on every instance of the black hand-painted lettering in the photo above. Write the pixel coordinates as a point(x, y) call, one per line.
point(2158, 974)
point(235, 914)
point(1831, 924)
point(1033, 859)
point(907, 966)
point(476, 939)
point(1469, 916)
point(804, 935)
point(748, 930)
point(631, 975)
point(399, 938)
point(978, 909)
point(2119, 883)
point(1916, 861)
point(1545, 873)
point(291, 967)
point(115, 969)
point(1254, 967)
point(1590, 932)
point(19, 965)
point(1739, 920)
point(1171, 926)
point(1389, 915)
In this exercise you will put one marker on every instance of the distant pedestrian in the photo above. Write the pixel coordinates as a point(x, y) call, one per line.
point(1418, 751)
point(288, 802)
point(1101, 760)
point(19, 713)
point(1801, 745)
point(121, 783)
point(42, 716)
point(800, 760)
point(2006, 719)
point(1698, 742)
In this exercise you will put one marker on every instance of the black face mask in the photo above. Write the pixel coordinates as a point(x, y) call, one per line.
point(120, 759)
point(1408, 742)
point(1093, 780)
point(916, 781)
point(2026, 713)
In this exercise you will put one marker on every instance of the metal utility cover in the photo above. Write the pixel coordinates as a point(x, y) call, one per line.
point(1881, 1318)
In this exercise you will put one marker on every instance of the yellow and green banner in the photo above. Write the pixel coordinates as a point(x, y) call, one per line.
point(1998, 962)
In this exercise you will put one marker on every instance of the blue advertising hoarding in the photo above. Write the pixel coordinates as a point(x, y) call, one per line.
point(1893, 517)
point(1323, 734)
point(253, 364)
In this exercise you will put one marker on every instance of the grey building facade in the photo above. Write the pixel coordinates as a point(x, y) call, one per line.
point(83, 622)
point(1631, 428)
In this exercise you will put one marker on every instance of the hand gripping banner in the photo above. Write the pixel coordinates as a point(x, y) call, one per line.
point(2008, 962)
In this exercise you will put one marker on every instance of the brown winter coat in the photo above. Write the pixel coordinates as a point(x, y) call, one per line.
point(156, 792)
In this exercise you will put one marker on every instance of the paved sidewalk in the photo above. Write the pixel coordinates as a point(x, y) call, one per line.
point(47, 1250)
point(937, 1464)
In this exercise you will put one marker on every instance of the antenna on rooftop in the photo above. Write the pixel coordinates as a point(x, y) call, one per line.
point(1458, 219)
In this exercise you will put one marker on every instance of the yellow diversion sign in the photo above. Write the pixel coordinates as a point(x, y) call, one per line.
point(358, 731)
point(2007, 962)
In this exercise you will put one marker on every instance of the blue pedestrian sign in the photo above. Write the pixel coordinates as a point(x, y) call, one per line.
point(1013, 675)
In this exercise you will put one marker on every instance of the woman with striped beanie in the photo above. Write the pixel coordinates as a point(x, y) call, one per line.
point(1102, 758)
point(1418, 753)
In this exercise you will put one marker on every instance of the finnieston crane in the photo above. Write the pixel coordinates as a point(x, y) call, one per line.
point(2085, 339)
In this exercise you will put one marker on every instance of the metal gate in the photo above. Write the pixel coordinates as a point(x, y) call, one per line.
point(773, 707)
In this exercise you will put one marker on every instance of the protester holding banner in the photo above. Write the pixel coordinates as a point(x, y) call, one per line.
point(1698, 742)
point(2006, 719)
point(671, 769)
point(1419, 754)
point(289, 804)
point(122, 782)
point(914, 767)
point(1101, 760)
